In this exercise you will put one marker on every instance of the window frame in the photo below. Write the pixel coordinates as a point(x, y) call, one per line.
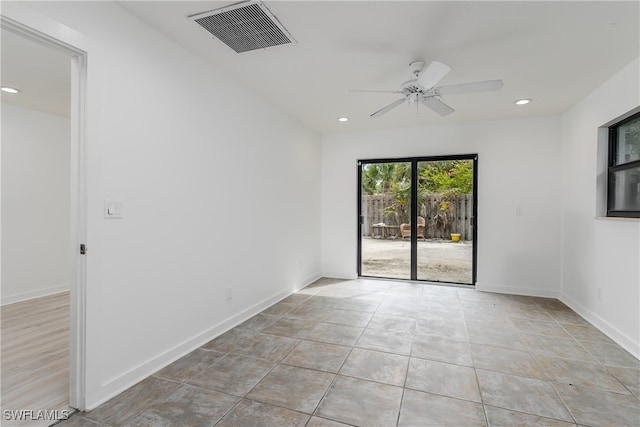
point(613, 167)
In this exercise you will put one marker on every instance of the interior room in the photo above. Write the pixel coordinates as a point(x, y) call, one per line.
point(213, 198)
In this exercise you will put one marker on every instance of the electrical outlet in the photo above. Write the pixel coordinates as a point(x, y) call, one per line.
point(600, 294)
point(228, 293)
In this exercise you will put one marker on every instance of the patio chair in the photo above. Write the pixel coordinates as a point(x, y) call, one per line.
point(405, 229)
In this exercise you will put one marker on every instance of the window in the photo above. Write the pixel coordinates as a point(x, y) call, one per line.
point(623, 196)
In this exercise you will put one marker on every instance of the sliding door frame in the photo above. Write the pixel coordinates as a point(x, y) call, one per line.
point(414, 161)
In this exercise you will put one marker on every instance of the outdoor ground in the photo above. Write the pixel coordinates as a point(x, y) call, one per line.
point(438, 260)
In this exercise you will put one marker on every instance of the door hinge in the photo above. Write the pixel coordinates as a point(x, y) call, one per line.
point(83, 249)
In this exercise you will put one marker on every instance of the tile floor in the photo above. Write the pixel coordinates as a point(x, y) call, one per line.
point(383, 353)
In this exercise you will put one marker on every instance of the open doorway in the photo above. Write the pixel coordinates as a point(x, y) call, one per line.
point(431, 239)
point(43, 217)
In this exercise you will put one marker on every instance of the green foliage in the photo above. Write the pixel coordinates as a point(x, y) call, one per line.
point(379, 178)
point(454, 177)
point(438, 181)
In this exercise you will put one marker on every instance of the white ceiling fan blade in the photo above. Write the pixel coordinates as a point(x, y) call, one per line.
point(388, 107)
point(486, 86)
point(373, 91)
point(433, 74)
point(438, 106)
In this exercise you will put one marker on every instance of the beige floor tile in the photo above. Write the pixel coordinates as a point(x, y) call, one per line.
point(132, 402)
point(567, 316)
point(323, 422)
point(566, 348)
point(387, 322)
point(387, 353)
point(443, 378)
point(424, 409)
point(611, 354)
point(630, 377)
point(521, 394)
point(391, 342)
point(600, 408)
point(376, 366)
point(190, 365)
point(361, 403)
point(187, 406)
point(499, 417)
point(77, 420)
point(233, 374)
point(367, 304)
point(319, 356)
point(444, 350)
point(580, 373)
point(230, 340)
point(586, 333)
point(334, 334)
point(507, 337)
point(270, 347)
point(507, 361)
point(446, 328)
point(349, 317)
point(279, 309)
point(297, 298)
point(252, 414)
point(294, 388)
point(326, 301)
point(539, 327)
point(293, 328)
point(303, 311)
point(258, 322)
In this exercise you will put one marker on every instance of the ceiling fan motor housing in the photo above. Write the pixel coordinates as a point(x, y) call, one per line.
point(416, 67)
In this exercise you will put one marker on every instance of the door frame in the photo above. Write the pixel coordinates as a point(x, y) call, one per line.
point(414, 211)
point(78, 200)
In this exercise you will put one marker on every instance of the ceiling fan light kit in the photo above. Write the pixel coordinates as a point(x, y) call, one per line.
point(422, 89)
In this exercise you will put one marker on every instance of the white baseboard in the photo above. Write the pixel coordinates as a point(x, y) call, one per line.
point(117, 385)
point(625, 341)
point(342, 275)
point(530, 292)
point(36, 293)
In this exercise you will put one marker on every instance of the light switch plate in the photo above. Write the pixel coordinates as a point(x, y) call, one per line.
point(113, 209)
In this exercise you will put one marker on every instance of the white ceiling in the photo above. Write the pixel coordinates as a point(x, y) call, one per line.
point(42, 74)
point(553, 52)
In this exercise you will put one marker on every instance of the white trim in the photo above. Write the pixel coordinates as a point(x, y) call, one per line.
point(38, 293)
point(117, 385)
point(628, 343)
point(47, 32)
point(530, 292)
point(343, 275)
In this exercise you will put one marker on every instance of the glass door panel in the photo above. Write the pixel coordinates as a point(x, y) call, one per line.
point(385, 215)
point(446, 208)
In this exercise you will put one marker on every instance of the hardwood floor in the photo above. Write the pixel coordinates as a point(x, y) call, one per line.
point(35, 356)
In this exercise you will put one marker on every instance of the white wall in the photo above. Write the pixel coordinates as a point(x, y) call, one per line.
point(601, 257)
point(35, 204)
point(220, 191)
point(518, 166)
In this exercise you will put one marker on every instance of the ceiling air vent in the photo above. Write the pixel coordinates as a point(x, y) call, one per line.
point(244, 26)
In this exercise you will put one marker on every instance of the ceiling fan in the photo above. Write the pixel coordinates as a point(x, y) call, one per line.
point(422, 88)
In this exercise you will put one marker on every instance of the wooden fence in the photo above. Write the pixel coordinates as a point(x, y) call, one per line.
point(459, 215)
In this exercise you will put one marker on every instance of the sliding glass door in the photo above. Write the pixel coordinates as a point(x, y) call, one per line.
point(385, 205)
point(432, 239)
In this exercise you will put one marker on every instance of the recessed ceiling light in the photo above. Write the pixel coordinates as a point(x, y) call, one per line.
point(524, 101)
point(343, 119)
point(8, 89)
